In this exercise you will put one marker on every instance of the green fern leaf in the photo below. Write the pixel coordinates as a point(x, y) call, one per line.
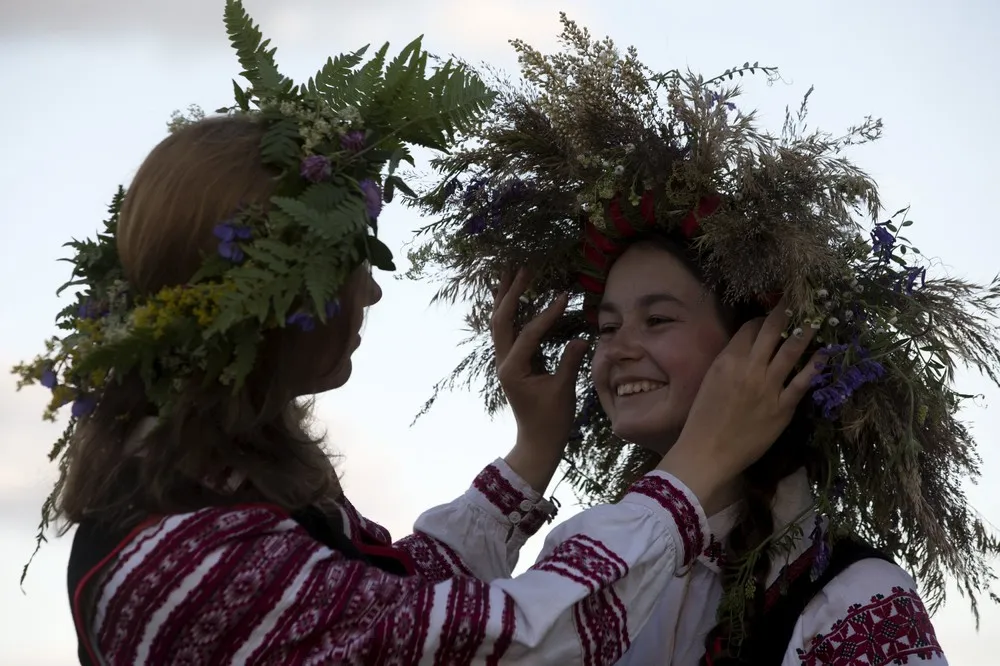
point(266, 259)
point(330, 82)
point(321, 280)
point(244, 355)
point(332, 225)
point(247, 40)
point(280, 145)
point(325, 196)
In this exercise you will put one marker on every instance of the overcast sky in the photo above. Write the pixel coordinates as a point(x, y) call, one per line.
point(88, 87)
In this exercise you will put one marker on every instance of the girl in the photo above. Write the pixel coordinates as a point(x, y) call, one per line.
point(231, 280)
point(675, 221)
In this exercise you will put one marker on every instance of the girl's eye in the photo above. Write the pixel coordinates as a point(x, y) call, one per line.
point(656, 320)
point(607, 329)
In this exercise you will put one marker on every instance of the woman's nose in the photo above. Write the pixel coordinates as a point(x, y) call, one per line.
point(624, 344)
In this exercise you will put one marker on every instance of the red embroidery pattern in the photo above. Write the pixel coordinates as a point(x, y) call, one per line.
point(713, 551)
point(889, 630)
point(502, 494)
point(673, 499)
point(434, 560)
point(465, 622)
point(600, 618)
point(249, 585)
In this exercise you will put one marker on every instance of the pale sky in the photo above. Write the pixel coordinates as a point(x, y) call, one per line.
point(88, 88)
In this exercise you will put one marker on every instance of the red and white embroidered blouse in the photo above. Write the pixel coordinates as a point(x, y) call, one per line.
point(248, 585)
point(870, 614)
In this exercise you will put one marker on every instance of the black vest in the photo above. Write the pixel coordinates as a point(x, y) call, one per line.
point(769, 635)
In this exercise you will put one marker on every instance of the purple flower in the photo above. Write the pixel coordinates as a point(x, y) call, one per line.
point(332, 309)
point(715, 98)
point(232, 252)
point(303, 320)
point(882, 241)
point(821, 556)
point(90, 309)
point(373, 198)
point(834, 389)
point(230, 231)
point(229, 234)
point(48, 378)
point(84, 405)
point(316, 168)
point(353, 141)
point(913, 274)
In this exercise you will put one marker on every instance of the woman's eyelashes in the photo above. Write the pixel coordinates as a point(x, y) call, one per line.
point(659, 320)
point(652, 321)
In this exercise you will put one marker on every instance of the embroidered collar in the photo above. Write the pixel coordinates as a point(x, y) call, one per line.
point(793, 503)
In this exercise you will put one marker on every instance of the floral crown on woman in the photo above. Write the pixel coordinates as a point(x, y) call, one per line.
point(334, 143)
point(592, 149)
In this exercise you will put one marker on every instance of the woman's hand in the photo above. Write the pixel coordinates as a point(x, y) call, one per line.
point(745, 402)
point(544, 404)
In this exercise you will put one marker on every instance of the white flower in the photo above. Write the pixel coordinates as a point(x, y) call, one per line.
point(823, 293)
point(833, 321)
point(619, 170)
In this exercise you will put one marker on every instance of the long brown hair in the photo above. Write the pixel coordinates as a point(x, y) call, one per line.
point(790, 452)
point(191, 181)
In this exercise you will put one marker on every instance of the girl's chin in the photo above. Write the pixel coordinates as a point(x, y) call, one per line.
point(655, 437)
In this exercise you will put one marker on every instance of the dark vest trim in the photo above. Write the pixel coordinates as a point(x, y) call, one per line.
point(93, 548)
point(768, 638)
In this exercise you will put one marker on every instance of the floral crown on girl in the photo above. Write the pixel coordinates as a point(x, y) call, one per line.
point(592, 148)
point(334, 144)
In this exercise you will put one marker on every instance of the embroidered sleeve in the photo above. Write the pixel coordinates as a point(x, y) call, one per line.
point(481, 533)
point(869, 614)
point(249, 586)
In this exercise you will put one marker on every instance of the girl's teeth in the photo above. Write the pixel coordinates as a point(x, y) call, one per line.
point(638, 387)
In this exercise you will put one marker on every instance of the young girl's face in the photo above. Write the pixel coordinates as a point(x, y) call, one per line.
point(660, 331)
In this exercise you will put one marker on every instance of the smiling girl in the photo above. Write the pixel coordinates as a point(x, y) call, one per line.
point(675, 224)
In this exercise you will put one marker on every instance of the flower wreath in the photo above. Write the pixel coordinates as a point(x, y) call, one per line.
point(592, 148)
point(334, 144)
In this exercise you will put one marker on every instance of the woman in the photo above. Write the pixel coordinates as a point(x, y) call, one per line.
point(231, 279)
point(673, 220)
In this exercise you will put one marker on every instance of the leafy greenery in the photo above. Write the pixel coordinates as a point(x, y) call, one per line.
point(590, 128)
point(336, 143)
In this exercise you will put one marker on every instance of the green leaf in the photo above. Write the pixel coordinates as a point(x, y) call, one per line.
point(403, 187)
point(325, 196)
point(241, 97)
point(380, 255)
point(244, 355)
point(246, 38)
point(281, 145)
point(333, 225)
